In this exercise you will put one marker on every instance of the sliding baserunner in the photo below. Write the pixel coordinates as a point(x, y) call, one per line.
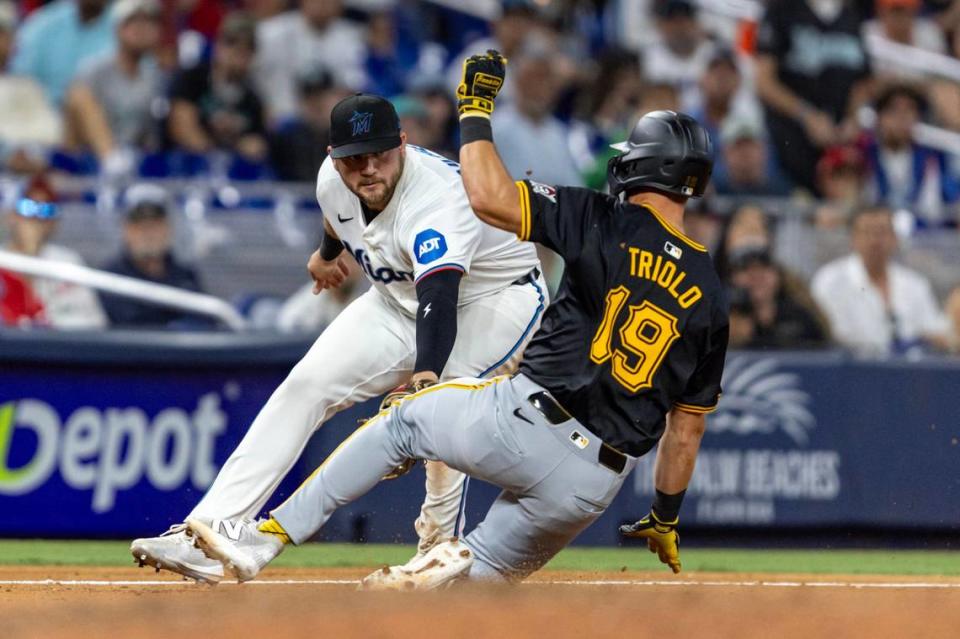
point(630, 354)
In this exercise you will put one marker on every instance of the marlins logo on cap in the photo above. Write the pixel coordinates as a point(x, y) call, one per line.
point(361, 122)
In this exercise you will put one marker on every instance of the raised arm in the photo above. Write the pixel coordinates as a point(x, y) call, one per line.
point(494, 196)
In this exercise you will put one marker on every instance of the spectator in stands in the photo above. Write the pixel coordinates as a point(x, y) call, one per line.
point(213, 106)
point(742, 326)
point(899, 22)
point(442, 126)
point(299, 146)
point(658, 97)
point(783, 314)
point(414, 119)
point(680, 54)
point(518, 20)
point(876, 306)
point(748, 226)
point(386, 64)
point(56, 38)
point(31, 223)
point(112, 102)
point(746, 169)
point(952, 308)
point(812, 75)
point(531, 141)
point(307, 311)
point(29, 125)
point(147, 255)
point(841, 180)
point(906, 174)
point(607, 107)
point(715, 99)
point(295, 43)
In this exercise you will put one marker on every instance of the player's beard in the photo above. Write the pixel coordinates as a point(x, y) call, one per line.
point(378, 198)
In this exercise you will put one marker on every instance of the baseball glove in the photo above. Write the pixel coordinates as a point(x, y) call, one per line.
point(392, 398)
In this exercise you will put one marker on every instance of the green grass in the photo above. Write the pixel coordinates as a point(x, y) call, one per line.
point(885, 562)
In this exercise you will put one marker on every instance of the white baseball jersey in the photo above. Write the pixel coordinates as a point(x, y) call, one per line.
point(428, 226)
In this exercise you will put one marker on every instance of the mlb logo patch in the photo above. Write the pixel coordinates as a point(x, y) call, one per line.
point(579, 440)
point(429, 245)
point(673, 250)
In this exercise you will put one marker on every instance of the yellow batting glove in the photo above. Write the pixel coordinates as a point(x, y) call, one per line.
point(662, 538)
point(482, 79)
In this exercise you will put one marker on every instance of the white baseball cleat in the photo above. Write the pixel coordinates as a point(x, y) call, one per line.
point(441, 566)
point(241, 549)
point(174, 551)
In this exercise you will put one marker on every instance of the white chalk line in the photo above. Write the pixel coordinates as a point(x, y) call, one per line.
point(557, 582)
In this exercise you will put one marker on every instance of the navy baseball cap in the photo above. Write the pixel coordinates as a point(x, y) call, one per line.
point(363, 123)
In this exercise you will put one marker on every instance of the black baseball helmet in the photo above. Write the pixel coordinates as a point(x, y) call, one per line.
point(667, 151)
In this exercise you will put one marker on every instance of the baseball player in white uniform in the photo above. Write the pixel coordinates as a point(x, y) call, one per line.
point(402, 213)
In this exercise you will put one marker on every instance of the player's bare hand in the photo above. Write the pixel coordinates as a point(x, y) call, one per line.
point(327, 274)
point(662, 538)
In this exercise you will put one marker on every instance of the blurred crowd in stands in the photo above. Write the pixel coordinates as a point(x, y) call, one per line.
point(836, 126)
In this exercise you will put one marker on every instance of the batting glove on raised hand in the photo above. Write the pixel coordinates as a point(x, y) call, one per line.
point(482, 79)
point(662, 538)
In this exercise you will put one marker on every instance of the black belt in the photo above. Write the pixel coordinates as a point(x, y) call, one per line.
point(529, 278)
point(556, 414)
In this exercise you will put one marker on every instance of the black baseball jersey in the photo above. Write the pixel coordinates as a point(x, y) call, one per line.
point(639, 325)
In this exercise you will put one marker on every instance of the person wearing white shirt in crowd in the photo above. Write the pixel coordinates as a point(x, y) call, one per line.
point(898, 22)
point(682, 52)
point(296, 43)
point(876, 306)
point(31, 223)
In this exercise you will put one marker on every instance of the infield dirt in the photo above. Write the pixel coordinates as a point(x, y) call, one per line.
point(705, 605)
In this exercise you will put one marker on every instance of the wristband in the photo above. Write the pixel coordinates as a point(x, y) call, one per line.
point(475, 127)
point(330, 247)
point(666, 508)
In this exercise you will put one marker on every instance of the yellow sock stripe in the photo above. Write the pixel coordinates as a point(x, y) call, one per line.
point(273, 527)
point(524, 211)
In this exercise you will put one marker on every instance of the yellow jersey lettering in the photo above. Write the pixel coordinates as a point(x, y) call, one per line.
point(665, 274)
point(656, 268)
point(690, 297)
point(646, 259)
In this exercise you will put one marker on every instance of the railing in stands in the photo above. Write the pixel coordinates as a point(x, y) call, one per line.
point(151, 292)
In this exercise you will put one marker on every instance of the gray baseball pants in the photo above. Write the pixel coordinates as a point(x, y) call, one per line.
point(554, 485)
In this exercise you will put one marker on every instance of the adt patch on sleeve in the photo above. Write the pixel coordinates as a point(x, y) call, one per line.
point(429, 245)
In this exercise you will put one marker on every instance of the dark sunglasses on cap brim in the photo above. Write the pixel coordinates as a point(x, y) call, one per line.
point(39, 210)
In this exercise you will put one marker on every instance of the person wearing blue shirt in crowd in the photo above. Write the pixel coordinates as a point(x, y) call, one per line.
point(147, 255)
point(907, 174)
point(55, 39)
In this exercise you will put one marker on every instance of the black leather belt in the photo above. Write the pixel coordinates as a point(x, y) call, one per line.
point(556, 414)
point(529, 278)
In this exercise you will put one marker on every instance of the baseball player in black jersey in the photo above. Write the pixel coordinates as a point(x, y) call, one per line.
point(630, 354)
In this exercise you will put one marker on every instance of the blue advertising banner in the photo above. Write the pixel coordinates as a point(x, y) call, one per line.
point(121, 439)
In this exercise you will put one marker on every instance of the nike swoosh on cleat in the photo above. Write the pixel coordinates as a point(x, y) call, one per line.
point(519, 415)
